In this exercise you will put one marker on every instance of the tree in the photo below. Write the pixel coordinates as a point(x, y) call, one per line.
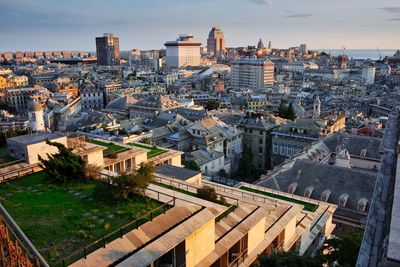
point(247, 171)
point(92, 171)
point(287, 112)
point(222, 173)
point(146, 140)
point(213, 104)
point(291, 115)
point(63, 166)
point(191, 164)
point(125, 184)
point(282, 110)
point(343, 250)
point(288, 259)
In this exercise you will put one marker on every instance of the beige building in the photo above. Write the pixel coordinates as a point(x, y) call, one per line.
point(29, 147)
point(257, 74)
point(185, 51)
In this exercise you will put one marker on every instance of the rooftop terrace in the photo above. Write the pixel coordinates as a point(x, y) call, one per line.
point(111, 147)
point(60, 219)
point(154, 151)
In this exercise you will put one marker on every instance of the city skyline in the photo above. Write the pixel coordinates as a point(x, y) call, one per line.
point(45, 25)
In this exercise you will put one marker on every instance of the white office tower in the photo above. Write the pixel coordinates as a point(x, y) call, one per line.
point(257, 74)
point(368, 75)
point(185, 51)
point(35, 115)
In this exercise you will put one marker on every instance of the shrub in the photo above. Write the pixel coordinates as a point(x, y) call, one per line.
point(207, 193)
point(121, 186)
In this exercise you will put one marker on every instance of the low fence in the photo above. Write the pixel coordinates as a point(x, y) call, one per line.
point(181, 185)
point(279, 193)
point(4, 177)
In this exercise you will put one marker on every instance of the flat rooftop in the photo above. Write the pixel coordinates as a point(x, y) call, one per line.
point(175, 172)
point(29, 139)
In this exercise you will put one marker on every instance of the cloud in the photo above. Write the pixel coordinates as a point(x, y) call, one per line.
point(262, 2)
point(393, 11)
point(300, 15)
point(293, 14)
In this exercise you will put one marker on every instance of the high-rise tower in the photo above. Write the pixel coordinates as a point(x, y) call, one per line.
point(107, 49)
point(216, 41)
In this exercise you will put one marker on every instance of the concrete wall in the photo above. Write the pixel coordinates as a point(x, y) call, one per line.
point(364, 163)
point(42, 149)
point(196, 180)
point(290, 231)
point(140, 159)
point(96, 158)
point(200, 243)
point(176, 161)
point(256, 235)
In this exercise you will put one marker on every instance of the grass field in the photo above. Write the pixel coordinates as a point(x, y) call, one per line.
point(111, 147)
point(59, 219)
point(307, 206)
point(153, 150)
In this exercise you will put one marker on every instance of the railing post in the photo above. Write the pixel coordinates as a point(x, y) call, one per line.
point(151, 216)
point(104, 243)
point(120, 232)
point(84, 252)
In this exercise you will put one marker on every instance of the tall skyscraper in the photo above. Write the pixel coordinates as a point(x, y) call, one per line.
point(107, 49)
point(216, 41)
point(185, 51)
point(257, 74)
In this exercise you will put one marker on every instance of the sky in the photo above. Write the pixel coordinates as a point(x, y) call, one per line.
point(39, 25)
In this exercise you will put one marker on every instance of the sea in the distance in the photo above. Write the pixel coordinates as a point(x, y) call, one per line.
point(360, 53)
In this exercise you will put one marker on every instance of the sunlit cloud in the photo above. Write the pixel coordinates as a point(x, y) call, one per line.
point(262, 2)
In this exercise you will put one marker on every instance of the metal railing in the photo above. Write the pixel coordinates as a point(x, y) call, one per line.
point(15, 245)
point(118, 233)
point(280, 193)
point(226, 212)
point(3, 165)
point(177, 184)
point(239, 259)
point(20, 172)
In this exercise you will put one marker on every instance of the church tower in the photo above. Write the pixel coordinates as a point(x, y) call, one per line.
point(317, 108)
point(35, 115)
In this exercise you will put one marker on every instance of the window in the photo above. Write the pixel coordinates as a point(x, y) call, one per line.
point(261, 141)
point(260, 150)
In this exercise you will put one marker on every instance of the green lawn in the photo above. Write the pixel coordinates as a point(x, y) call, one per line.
point(307, 206)
point(4, 156)
point(111, 147)
point(153, 150)
point(59, 219)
